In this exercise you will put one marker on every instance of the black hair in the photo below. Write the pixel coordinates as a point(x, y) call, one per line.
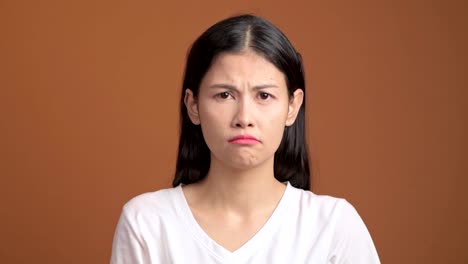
point(236, 34)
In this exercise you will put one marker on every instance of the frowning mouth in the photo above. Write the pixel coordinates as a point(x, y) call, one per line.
point(244, 140)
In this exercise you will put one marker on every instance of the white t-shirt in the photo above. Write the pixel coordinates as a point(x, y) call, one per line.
point(159, 227)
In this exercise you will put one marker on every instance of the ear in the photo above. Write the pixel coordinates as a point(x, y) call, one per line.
point(294, 106)
point(192, 106)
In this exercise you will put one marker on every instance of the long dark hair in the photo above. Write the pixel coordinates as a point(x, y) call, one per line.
point(235, 34)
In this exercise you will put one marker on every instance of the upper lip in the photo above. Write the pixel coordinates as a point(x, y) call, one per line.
point(243, 137)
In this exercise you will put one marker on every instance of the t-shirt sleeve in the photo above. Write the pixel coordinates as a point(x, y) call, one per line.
point(128, 245)
point(352, 243)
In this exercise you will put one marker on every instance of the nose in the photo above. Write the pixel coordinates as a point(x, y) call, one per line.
point(243, 115)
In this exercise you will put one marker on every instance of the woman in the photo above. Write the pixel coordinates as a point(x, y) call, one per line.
point(241, 186)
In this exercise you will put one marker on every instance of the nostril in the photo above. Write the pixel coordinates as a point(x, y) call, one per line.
point(241, 125)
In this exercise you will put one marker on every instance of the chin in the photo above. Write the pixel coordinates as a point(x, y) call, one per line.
point(245, 163)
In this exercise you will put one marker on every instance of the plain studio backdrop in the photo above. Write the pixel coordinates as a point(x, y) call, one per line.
point(89, 94)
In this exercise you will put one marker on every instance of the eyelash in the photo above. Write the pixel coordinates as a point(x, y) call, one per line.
point(221, 95)
point(263, 93)
point(225, 95)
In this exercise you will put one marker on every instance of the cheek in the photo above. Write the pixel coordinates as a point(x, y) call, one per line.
point(211, 123)
point(275, 115)
point(274, 125)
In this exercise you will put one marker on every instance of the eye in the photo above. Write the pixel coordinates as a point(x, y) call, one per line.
point(264, 96)
point(223, 95)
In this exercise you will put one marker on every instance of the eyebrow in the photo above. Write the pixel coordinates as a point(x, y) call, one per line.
point(232, 87)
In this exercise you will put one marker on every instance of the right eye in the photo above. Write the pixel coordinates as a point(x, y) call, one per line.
point(223, 95)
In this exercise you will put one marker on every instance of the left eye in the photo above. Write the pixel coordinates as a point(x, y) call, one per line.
point(264, 96)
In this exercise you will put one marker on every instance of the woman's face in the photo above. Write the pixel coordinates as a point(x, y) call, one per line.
point(243, 107)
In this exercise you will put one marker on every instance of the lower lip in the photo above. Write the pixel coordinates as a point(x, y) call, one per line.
point(244, 141)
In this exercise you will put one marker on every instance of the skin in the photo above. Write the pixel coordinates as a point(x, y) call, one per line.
point(242, 93)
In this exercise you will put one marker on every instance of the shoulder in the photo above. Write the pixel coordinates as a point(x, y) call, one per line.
point(340, 223)
point(324, 206)
point(151, 204)
point(335, 214)
point(141, 224)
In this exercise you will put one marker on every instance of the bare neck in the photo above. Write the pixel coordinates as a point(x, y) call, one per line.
point(242, 191)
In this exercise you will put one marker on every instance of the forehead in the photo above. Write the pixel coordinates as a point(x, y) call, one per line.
point(246, 66)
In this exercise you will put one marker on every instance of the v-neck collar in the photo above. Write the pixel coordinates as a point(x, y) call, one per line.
point(253, 245)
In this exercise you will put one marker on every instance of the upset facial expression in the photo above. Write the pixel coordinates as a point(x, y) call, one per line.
point(243, 107)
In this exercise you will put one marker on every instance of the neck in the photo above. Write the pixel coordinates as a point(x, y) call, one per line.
point(243, 191)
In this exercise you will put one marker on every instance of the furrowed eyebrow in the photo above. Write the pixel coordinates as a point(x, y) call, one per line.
point(232, 87)
point(263, 86)
point(222, 85)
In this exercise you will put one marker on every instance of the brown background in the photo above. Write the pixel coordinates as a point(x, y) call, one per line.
point(88, 116)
